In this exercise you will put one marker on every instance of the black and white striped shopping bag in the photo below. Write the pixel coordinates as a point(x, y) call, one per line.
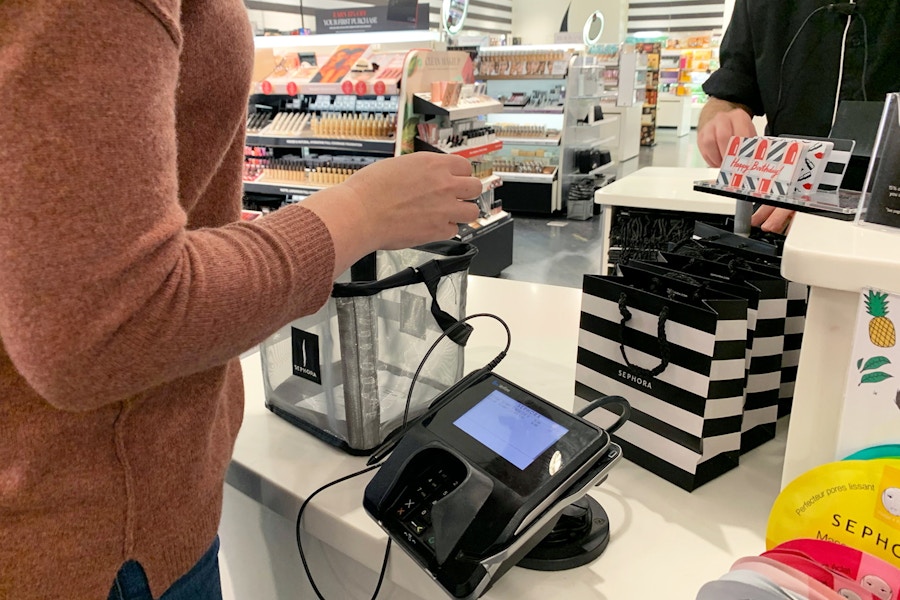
point(763, 255)
point(678, 359)
point(767, 309)
point(794, 323)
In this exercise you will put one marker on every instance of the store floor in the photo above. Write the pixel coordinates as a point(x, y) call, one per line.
point(558, 251)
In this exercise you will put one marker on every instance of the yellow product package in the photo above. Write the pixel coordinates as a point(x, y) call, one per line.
point(852, 502)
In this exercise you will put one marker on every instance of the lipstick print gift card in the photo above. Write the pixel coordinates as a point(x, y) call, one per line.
point(812, 166)
point(762, 164)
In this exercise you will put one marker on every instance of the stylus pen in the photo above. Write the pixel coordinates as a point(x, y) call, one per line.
point(389, 444)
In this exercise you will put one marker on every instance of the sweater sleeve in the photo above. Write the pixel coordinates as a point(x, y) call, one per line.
point(736, 78)
point(104, 292)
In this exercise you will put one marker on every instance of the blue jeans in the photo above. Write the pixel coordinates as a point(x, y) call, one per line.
point(200, 583)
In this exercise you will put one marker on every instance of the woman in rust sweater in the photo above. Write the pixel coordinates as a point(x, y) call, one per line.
point(126, 277)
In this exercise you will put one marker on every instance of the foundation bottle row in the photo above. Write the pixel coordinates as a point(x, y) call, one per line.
point(259, 165)
point(520, 64)
point(292, 170)
point(328, 125)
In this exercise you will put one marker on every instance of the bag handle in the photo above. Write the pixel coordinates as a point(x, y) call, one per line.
point(456, 257)
point(664, 350)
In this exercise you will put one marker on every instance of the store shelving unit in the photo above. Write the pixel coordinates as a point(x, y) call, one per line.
point(377, 146)
point(551, 96)
point(288, 164)
point(316, 115)
point(582, 132)
point(683, 71)
point(283, 189)
point(630, 70)
point(492, 232)
point(652, 51)
point(363, 114)
point(669, 71)
point(687, 63)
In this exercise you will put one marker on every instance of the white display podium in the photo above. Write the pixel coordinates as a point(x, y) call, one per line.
point(674, 111)
point(665, 542)
point(629, 129)
point(837, 259)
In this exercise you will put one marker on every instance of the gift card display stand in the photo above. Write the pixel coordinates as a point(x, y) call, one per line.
point(837, 204)
point(824, 178)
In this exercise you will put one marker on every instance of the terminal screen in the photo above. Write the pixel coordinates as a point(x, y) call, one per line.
point(514, 431)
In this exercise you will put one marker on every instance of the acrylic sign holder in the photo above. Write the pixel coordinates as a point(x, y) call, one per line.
point(880, 202)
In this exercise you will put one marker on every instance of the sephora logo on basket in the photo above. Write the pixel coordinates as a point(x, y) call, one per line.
point(635, 379)
point(305, 355)
point(304, 370)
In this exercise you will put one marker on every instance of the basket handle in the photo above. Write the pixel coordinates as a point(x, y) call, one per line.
point(430, 274)
point(458, 331)
point(664, 350)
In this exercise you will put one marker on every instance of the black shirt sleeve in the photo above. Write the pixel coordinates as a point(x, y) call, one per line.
point(736, 78)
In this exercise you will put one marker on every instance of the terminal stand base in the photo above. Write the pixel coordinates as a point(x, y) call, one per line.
point(578, 538)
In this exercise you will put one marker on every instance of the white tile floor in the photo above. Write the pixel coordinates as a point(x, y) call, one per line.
point(557, 251)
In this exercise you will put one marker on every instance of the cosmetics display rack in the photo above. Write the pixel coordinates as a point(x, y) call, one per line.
point(652, 51)
point(625, 72)
point(319, 110)
point(460, 129)
point(683, 71)
point(550, 113)
point(298, 145)
point(467, 107)
point(316, 116)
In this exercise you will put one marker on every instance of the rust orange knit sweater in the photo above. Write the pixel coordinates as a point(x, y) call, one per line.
point(127, 284)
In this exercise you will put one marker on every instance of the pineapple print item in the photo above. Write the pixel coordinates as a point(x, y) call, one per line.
point(881, 329)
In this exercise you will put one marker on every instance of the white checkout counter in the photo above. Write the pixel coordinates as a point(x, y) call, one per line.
point(665, 542)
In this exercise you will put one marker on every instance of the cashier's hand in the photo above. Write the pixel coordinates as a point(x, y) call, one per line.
point(713, 135)
point(771, 219)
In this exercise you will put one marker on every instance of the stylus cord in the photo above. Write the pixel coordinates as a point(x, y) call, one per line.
point(485, 369)
point(388, 445)
point(783, 59)
point(383, 450)
point(387, 549)
point(606, 401)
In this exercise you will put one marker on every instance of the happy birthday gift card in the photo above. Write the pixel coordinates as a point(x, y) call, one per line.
point(762, 164)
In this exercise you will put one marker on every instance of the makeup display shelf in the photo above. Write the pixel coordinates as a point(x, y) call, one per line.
point(551, 115)
point(624, 72)
point(317, 114)
point(684, 70)
point(492, 232)
point(297, 144)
